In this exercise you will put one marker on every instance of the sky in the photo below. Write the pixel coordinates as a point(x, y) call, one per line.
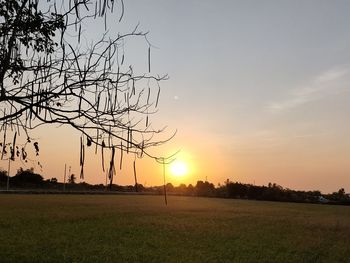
point(258, 92)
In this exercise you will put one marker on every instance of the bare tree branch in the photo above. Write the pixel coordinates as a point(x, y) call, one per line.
point(47, 76)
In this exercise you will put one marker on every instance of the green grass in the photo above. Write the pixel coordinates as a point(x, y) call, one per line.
point(91, 228)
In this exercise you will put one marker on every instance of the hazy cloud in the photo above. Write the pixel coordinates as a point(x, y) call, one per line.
point(330, 82)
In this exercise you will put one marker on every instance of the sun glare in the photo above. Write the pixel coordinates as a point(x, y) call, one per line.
point(178, 168)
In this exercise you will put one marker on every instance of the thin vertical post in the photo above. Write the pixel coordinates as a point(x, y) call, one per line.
point(165, 197)
point(64, 179)
point(8, 175)
point(107, 181)
point(135, 176)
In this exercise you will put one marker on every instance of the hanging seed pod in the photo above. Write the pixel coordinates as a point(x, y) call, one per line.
point(112, 7)
point(36, 146)
point(96, 141)
point(99, 8)
point(82, 157)
point(88, 141)
point(95, 10)
point(37, 102)
point(13, 147)
point(104, 67)
point(149, 94)
point(81, 147)
point(103, 159)
point(149, 59)
point(24, 154)
point(121, 156)
point(11, 153)
point(79, 34)
point(111, 168)
point(128, 141)
point(4, 142)
point(109, 58)
point(122, 14)
point(79, 109)
point(116, 88)
point(106, 104)
point(18, 125)
point(4, 150)
point(103, 7)
point(142, 148)
point(31, 103)
point(158, 97)
point(131, 143)
point(133, 87)
point(45, 108)
point(40, 100)
point(76, 10)
point(98, 101)
point(128, 101)
point(105, 22)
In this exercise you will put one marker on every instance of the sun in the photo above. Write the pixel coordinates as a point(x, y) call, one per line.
point(178, 168)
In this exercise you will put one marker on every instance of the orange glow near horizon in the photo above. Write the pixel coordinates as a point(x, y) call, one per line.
point(248, 159)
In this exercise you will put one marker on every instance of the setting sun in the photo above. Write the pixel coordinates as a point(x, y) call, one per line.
point(178, 168)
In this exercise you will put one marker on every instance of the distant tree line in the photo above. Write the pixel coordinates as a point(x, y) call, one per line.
point(28, 179)
point(271, 192)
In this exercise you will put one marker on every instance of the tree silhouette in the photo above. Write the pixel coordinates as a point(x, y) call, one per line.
point(28, 176)
point(53, 180)
point(52, 73)
point(3, 176)
point(204, 188)
point(71, 179)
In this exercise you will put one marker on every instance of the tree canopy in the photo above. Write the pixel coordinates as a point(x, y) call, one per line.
point(51, 72)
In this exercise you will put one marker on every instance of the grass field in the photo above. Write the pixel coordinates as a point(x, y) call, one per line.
point(133, 228)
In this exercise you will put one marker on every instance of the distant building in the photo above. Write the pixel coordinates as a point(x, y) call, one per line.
point(323, 200)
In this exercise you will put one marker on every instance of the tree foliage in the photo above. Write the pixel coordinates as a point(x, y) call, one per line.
point(71, 179)
point(51, 72)
point(3, 175)
point(28, 176)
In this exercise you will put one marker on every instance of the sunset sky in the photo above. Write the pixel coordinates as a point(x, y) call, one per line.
point(258, 92)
